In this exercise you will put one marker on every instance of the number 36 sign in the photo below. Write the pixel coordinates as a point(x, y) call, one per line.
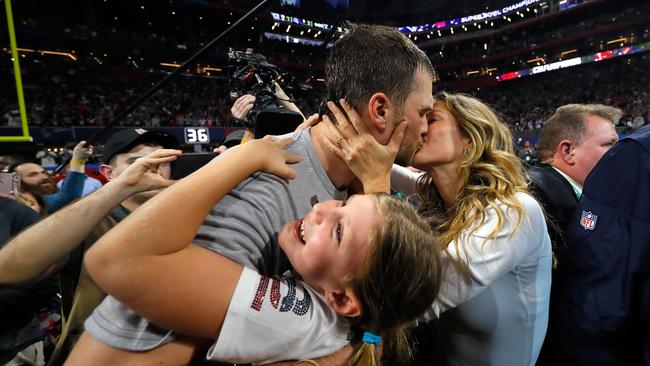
point(197, 135)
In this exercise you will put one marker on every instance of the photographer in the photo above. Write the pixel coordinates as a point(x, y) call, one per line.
point(262, 106)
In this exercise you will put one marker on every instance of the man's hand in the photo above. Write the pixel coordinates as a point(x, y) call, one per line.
point(279, 92)
point(285, 101)
point(81, 151)
point(242, 106)
point(80, 154)
point(144, 175)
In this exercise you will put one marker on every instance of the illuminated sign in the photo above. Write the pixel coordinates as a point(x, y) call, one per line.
point(414, 28)
point(557, 65)
point(467, 19)
point(292, 39)
point(300, 21)
point(600, 56)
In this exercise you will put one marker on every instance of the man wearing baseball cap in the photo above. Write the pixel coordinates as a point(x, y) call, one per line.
point(136, 164)
point(124, 140)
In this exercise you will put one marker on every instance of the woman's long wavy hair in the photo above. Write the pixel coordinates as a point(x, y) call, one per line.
point(491, 173)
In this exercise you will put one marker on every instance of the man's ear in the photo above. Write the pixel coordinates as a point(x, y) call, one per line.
point(565, 151)
point(378, 109)
point(107, 171)
point(344, 302)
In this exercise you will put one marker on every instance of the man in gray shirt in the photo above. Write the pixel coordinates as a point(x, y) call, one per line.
point(388, 80)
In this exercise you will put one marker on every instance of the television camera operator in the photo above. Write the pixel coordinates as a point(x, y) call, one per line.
point(261, 105)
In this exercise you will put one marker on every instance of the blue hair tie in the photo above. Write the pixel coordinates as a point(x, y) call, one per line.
point(371, 338)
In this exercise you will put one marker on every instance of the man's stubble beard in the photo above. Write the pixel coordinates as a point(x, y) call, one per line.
point(40, 190)
point(405, 156)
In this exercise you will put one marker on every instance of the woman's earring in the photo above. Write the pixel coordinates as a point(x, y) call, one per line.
point(466, 152)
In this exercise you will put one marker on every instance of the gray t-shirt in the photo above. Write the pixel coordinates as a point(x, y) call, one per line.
point(243, 227)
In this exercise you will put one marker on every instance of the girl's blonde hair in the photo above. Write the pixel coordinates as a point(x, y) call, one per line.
point(399, 281)
point(491, 172)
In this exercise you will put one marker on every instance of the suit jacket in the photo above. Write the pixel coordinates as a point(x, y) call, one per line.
point(559, 200)
point(557, 197)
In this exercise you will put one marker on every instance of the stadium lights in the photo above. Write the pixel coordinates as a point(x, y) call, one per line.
point(568, 52)
point(170, 64)
point(45, 52)
point(535, 60)
point(472, 72)
point(288, 28)
point(622, 39)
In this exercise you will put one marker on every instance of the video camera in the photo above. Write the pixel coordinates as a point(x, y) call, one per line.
point(254, 75)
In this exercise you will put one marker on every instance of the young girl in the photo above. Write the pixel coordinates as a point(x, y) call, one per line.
point(371, 258)
point(497, 262)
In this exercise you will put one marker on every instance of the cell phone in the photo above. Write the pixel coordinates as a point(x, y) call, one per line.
point(187, 164)
point(9, 184)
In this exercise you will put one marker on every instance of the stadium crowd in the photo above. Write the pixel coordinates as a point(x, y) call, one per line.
point(398, 206)
point(525, 103)
point(91, 94)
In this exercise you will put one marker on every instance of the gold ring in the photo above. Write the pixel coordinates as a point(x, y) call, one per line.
point(339, 140)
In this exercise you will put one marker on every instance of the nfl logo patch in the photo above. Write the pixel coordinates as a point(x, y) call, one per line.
point(588, 220)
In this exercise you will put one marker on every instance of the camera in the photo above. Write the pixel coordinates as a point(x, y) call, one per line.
point(254, 75)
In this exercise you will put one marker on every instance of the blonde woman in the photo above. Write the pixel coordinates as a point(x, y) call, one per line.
point(493, 306)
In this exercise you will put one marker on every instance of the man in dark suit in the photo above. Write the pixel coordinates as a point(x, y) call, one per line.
point(603, 302)
point(572, 141)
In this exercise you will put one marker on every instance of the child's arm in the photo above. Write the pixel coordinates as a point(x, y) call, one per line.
point(148, 263)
